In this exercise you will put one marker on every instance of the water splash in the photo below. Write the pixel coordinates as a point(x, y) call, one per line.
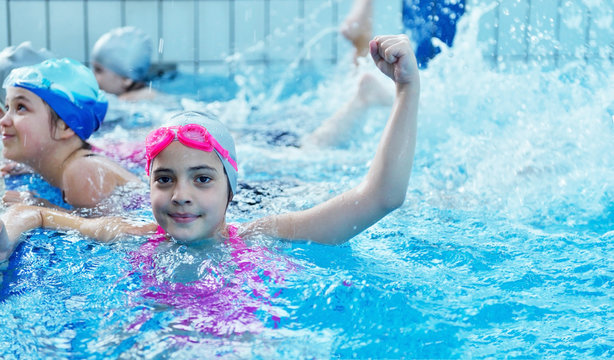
point(304, 53)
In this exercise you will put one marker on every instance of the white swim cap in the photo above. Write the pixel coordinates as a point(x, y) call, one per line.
point(125, 51)
point(13, 57)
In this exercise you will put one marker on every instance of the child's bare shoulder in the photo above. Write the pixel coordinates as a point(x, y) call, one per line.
point(87, 180)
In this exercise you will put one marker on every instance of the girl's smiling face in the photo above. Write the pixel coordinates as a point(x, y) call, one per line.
point(189, 193)
point(26, 132)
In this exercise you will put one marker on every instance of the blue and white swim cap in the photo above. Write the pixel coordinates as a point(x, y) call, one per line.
point(125, 51)
point(13, 57)
point(69, 88)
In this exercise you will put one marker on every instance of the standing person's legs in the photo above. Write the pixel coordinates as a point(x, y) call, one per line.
point(358, 26)
point(337, 129)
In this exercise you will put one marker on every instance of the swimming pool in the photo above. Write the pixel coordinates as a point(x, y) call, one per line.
point(502, 248)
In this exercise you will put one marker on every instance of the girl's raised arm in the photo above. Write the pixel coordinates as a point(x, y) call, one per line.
point(384, 187)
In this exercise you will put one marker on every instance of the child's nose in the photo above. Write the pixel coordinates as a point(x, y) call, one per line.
point(181, 194)
point(4, 118)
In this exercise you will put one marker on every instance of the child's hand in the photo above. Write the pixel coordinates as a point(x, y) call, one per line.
point(22, 218)
point(14, 168)
point(12, 197)
point(6, 243)
point(16, 220)
point(394, 57)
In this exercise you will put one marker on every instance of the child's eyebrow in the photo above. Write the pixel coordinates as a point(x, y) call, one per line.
point(191, 169)
point(162, 170)
point(22, 98)
point(202, 167)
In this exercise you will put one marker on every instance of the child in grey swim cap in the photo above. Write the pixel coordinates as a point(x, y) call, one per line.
point(121, 59)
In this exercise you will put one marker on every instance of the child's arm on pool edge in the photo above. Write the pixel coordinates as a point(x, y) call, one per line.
point(384, 187)
point(21, 218)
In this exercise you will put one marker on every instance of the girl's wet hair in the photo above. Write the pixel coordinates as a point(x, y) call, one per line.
point(54, 119)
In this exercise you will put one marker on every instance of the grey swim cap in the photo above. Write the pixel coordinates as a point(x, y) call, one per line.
point(125, 51)
point(218, 131)
point(13, 57)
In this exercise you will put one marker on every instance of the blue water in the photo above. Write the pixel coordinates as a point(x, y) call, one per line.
point(502, 249)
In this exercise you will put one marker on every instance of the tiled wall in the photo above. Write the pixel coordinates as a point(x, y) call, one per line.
point(195, 34)
point(201, 34)
point(549, 32)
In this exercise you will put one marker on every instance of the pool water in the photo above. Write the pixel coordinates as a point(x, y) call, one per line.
point(503, 247)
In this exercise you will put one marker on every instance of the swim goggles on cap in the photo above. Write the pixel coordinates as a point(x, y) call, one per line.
point(192, 135)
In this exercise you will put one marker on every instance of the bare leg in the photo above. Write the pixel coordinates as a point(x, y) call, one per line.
point(342, 123)
point(358, 26)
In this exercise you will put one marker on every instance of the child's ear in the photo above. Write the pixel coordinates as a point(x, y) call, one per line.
point(127, 83)
point(62, 131)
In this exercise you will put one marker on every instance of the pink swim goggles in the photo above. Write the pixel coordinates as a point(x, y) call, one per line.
point(192, 135)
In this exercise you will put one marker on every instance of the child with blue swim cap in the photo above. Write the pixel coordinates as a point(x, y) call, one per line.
point(52, 108)
point(192, 168)
point(121, 59)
